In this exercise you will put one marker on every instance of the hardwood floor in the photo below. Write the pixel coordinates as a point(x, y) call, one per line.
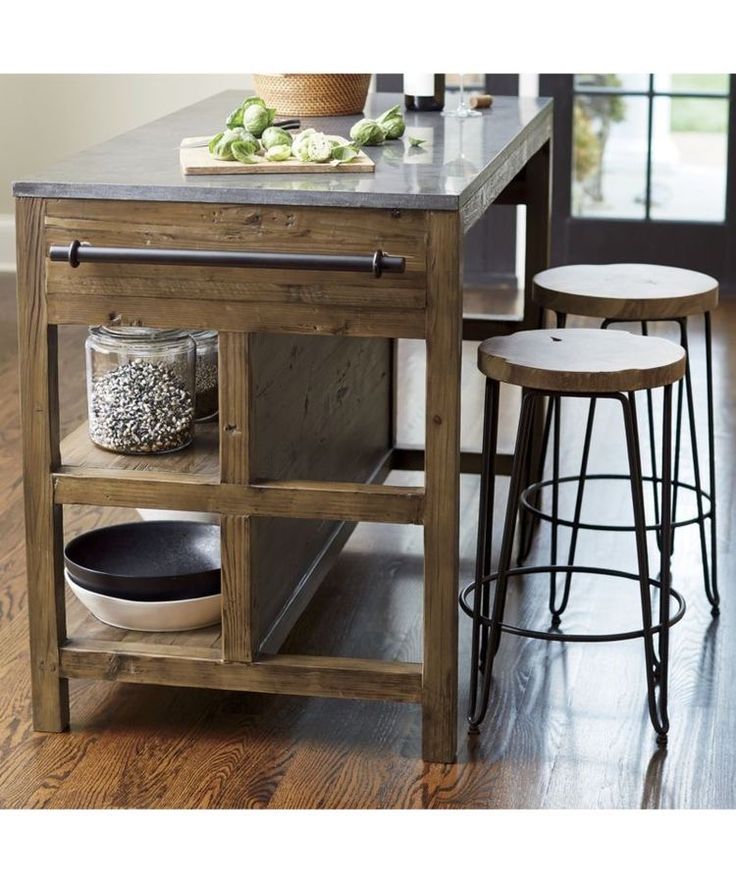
point(568, 725)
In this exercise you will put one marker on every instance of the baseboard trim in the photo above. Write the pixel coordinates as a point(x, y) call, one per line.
point(7, 244)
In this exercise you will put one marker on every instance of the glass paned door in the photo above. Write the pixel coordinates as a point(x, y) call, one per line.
point(650, 146)
point(645, 169)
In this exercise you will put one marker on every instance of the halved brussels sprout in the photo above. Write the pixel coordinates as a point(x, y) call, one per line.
point(300, 143)
point(279, 152)
point(221, 145)
point(319, 148)
point(343, 153)
point(244, 150)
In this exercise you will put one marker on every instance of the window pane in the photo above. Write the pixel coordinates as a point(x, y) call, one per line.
point(624, 82)
point(718, 83)
point(609, 156)
point(689, 147)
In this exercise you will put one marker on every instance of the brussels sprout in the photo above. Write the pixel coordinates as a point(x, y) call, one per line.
point(393, 128)
point(274, 136)
point(391, 113)
point(214, 141)
point(221, 145)
point(236, 117)
point(279, 152)
point(244, 150)
point(319, 148)
point(367, 132)
point(343, 153)
point(299, 144)
point(256, 119)
point(392, 123)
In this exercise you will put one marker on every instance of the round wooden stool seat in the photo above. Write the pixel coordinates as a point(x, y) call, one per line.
point(582, 360)
point(628, 292)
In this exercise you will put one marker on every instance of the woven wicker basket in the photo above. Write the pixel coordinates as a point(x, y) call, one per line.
point(305, 95)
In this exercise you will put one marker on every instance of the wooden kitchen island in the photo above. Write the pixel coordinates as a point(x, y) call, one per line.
point(306, 430)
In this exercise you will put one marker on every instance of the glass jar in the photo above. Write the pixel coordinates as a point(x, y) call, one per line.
point(205, 376)
point(140, 389)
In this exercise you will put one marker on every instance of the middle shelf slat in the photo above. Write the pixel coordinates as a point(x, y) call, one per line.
point(333, 501)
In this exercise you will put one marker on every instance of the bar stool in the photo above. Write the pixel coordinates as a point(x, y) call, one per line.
point(594, 364)
point(639, 293)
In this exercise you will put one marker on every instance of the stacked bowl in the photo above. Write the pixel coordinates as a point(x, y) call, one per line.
point(148, 576)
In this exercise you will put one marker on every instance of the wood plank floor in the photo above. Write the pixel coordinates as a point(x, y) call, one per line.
point(568, 726)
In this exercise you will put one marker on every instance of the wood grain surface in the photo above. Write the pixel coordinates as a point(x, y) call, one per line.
point(568, 725)
point(626, 291)
point(237, 228)
point(582, 360)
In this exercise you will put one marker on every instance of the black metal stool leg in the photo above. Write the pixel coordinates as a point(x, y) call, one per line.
point(485, 534)
point(475, 716)
point(712, 597)
point(678, 449)
point(652, 448)
point(529, 521)
point(665, 561)
point(578, 509)
point(556, 403)
point(657, 709)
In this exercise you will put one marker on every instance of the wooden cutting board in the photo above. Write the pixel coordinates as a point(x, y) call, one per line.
point(197, 160)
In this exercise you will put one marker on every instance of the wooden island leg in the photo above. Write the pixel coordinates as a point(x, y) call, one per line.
point(442, 488)
point(539, 204)
point(236, 439)
point(39, 397)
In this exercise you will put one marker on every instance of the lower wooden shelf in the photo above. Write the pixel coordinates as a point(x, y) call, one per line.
point(194, 659)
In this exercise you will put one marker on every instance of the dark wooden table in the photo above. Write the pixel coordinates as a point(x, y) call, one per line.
point(130, 193)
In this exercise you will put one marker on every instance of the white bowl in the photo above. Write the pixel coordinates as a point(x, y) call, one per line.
point(150, 616)
point(174, 515)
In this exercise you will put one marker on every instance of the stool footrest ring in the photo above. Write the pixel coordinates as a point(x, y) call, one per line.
point(583, 525)
point(560, 637)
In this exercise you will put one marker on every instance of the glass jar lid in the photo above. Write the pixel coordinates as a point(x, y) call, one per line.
point(136, 333)
point(133, 338)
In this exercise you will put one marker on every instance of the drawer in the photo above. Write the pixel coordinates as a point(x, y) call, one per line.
point(235, 228)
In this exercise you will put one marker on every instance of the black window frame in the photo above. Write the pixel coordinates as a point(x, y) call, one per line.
point(650, 93)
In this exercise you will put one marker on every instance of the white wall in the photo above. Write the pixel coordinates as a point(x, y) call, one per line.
point(45, 117)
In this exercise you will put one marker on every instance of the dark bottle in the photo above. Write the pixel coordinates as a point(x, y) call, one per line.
point(424, 91)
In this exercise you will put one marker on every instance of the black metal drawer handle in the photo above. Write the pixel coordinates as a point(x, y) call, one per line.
point(81, 252)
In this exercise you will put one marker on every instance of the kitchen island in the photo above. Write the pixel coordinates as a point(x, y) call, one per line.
point(287, 483)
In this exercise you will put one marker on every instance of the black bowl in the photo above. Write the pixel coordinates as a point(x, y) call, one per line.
point(148, 560)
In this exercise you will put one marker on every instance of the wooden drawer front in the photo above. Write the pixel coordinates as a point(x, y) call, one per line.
point(238, 228)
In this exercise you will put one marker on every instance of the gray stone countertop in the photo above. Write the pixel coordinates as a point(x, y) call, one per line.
point(459, 157)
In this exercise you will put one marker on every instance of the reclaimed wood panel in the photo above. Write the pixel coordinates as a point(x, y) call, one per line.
point(39, 396)
point(442, 488)
point(73, 308)
point(183, 225)
point(342, 678)
point(343, 501)
point(321, 412)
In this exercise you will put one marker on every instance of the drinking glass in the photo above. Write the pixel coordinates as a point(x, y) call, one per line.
point(462, 109)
